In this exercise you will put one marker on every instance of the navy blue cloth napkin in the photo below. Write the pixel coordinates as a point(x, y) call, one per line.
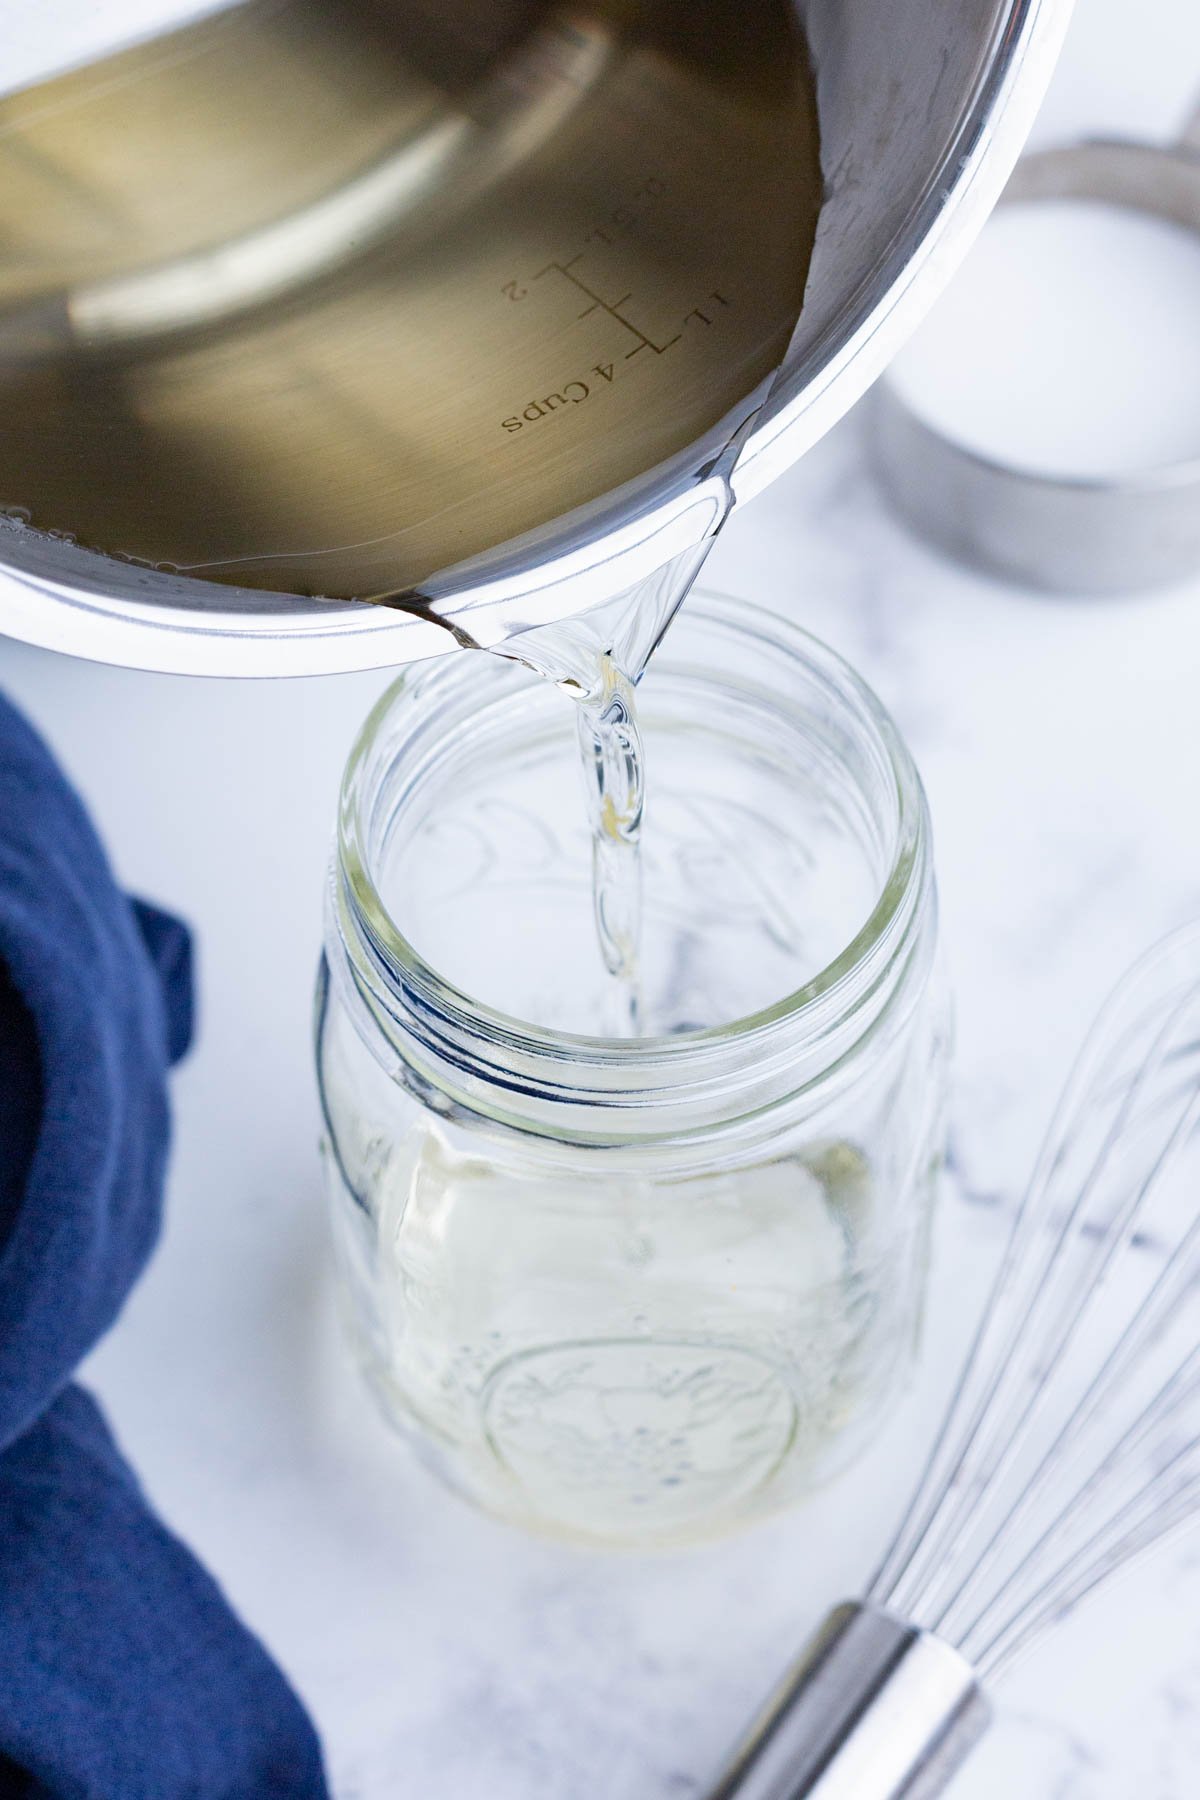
point(123, 1673)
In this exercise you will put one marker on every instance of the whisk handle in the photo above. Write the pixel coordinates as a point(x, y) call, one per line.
point(875, 1709)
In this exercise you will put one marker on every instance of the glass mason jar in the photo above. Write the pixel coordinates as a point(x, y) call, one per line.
point(634, 1290)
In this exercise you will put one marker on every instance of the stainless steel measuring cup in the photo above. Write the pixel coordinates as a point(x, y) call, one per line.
point(1064, 533)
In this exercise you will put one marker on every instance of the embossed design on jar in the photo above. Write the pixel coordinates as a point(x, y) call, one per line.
point(622, 1437)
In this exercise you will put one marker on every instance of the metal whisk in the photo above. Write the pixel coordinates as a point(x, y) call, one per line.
point(1072, 1442)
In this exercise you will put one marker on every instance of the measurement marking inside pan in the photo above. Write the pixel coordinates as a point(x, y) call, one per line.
point(610, 307)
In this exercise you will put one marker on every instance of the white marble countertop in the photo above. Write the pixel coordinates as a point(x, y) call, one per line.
point(441, 1654)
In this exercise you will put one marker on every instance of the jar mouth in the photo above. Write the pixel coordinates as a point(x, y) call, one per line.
point(404, 982)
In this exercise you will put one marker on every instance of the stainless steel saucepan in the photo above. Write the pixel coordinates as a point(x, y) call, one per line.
point(335, 332)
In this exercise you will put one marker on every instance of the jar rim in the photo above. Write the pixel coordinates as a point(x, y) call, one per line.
point(811, 1009)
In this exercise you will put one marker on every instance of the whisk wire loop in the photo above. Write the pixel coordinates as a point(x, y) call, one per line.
point(1112, 1551)
point(954, 1436)
point(1023, 1362)
point(1153, 1314)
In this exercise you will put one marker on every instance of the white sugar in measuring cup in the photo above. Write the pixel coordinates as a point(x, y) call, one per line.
point(1044, 423)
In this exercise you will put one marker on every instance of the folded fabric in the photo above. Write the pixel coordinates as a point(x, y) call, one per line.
point(124, 1675)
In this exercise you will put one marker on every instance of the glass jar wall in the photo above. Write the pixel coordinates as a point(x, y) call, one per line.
point(639, 1290)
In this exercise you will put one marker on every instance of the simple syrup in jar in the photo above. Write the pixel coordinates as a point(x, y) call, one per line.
point(634, 1278)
